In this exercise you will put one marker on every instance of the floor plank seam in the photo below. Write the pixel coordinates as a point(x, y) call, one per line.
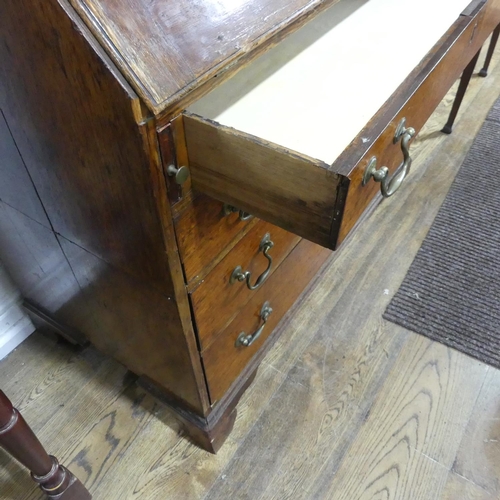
point(470, 481)
point(433, 460)
point(264, 363)
point(243, 439)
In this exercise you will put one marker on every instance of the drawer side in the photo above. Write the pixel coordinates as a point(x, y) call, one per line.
point(272, 183)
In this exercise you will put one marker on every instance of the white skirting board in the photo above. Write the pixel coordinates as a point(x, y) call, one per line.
point(15, 325)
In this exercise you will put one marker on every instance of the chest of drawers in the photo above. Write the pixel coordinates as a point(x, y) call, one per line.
point(183, 169)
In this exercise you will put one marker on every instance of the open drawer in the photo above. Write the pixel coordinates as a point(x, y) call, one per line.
point(298, 137)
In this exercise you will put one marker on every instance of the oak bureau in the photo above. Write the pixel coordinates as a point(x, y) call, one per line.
point(175, 172)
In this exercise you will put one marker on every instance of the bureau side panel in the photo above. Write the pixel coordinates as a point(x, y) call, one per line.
point(84, 144)
point(35, 261)
point(135, 324)
point(16, 188)
point(73, 121)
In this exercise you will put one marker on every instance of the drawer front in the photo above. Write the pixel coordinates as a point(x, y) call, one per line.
point(315, 200)
point(220, 296)
point(205, 234)
point(414, 102)
point(224, 360)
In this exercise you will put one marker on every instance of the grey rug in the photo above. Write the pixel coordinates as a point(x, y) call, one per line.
point(451, 293)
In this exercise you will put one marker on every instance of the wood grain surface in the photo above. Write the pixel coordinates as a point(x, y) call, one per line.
point(38, 266)
point(82, 146)
point(415, 100)
point(216, 301)
point(137, 325)
point(223, 361)
point(205, 235)
point(326, 397)
point(105, 256)
point(16, 188)
point(426, 401)
point(297, 193)
point(479, 451)
point(189, 42)
point(458, 487)
point(285, 188)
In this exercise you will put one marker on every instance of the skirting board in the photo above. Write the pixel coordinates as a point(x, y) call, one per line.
point(15, 326)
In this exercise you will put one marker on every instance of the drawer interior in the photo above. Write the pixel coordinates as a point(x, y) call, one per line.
point(318, 88)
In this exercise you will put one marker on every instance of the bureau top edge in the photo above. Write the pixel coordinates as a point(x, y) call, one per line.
point(174, 51)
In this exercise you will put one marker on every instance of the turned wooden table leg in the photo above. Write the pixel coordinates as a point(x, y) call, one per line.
point(462, 88)
point(18, 440)
point(491, 49)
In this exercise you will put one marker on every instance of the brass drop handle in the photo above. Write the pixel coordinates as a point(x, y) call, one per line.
point(229, 209)
point(181, 174)
point(388, 186)
point(239, 275)
point(245, 340)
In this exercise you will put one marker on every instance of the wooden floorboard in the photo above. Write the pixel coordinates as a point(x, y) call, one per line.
point(460, 488)
point(414, 427)
point(345, 405)
point(478, 458)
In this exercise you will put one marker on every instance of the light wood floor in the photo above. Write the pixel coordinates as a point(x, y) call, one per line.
point(345, 406)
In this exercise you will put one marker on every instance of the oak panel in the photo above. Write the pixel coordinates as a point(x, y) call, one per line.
point(73, 118)
point(190, 42)
point(289, 190)
point(205, 235)
point(217, 301)
point(16, 188)
point(137, 325)
point(223, 361)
